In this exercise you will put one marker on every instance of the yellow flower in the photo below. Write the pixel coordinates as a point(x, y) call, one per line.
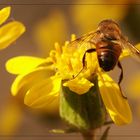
point(11, 30)
point(39, 80)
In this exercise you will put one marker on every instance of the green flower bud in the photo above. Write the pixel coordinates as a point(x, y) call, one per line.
point(84, 111)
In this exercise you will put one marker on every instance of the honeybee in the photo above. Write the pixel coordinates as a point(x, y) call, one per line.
point(109, 43)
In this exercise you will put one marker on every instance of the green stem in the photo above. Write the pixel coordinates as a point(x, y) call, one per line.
point(108, 123)
point(89, 135)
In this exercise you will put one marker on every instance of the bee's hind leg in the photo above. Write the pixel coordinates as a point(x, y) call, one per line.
point(120, 79)
point(84, 60)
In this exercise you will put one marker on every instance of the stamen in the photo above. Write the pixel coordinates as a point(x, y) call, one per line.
point(52, 55)
point(66, 43)
point(70, 65)
point(73, 37)
point(58, 48)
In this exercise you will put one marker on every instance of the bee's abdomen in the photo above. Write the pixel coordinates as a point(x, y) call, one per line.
point(108, 57)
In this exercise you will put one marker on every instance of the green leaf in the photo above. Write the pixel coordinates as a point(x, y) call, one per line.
point(84, 111)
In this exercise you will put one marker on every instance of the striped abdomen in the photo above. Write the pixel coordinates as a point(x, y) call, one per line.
point(108, 55)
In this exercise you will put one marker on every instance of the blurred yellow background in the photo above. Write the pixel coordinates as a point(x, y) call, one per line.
point(53, 21)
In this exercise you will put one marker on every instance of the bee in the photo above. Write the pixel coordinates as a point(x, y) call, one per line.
point(109, 43)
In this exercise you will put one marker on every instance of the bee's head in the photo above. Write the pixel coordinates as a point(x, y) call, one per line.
point(109, 25)
point(109, 28)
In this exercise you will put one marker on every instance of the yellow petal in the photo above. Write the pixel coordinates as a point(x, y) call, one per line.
point(10, 32)
point(128, 52)
point(125, 53)
point(79, 86)
point(25, 81)
point(116, 105)
point(23, 64)
point(44, 95)
point(4, 14)
point(138, 46)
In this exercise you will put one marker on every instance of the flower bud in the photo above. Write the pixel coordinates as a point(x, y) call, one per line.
point(85, 111)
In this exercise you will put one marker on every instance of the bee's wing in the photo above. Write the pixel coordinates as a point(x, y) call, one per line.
point(133, 51)
point(85, 40)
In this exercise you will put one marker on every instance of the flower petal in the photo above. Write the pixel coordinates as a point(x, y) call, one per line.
point(23, 64)
point(79, 86)
point(138, 46)
point(25, 81)
point(4, 14)
point(44, 95)
point(10, 32)
point(116, 105)
point(128, 52)
point(125, 53)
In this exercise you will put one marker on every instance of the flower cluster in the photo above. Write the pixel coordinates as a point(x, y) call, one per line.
point(39, 80)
